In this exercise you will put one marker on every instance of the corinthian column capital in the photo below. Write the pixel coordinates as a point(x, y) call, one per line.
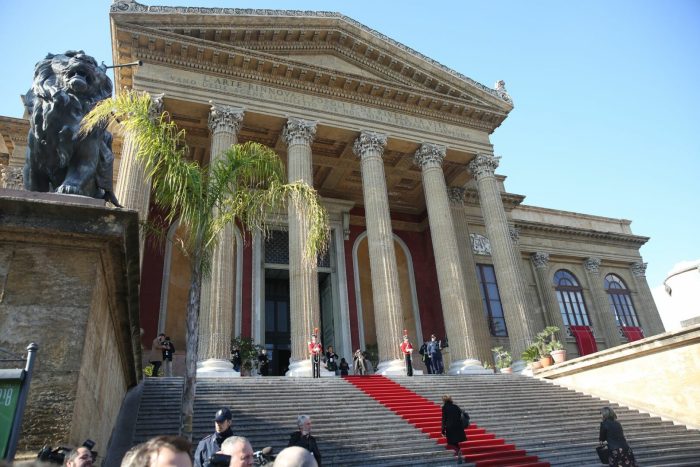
point(369, 141)
point(483, 165)
point(456, 195)
point(225, 117)
point(430, 155)
point(592, 265)
point(540, 259)
point(639, 269)
point(298, 130)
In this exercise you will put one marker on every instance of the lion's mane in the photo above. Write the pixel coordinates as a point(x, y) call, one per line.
point(65, 88)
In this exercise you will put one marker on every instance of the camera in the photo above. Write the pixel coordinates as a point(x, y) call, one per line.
point(219, 460)
point(58, 455)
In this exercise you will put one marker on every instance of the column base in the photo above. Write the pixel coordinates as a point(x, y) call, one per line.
point(394, 368)
point(468, 366)
point(302, 369)
point(216, 368)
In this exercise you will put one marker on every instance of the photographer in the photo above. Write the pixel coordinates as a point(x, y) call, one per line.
point(168, 351)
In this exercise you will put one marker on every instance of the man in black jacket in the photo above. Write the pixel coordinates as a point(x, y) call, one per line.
point(212, 444)
point(303, 438)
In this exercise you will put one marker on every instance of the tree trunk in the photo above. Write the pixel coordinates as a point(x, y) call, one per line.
point(192, 338)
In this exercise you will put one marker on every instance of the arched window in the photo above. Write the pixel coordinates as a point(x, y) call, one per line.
point(620, 301)
point(570, 298)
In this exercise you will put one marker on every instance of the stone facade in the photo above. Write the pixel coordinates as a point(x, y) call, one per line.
point(68, 281)
point(398, 147)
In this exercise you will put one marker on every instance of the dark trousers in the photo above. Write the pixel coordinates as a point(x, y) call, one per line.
point(409, 366)
point(316, 366)
point(436, 364)
point(156, 367)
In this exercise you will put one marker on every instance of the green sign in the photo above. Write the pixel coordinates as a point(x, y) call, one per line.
point(9, 393)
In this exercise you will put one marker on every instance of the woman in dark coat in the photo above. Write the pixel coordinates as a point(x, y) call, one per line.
point(452, 425)
point(611, 432)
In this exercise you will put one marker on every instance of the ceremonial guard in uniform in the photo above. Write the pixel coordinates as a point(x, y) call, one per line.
point(315, 351)
point(407, 350)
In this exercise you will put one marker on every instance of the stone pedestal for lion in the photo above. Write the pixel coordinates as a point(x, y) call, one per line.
point(69, 276)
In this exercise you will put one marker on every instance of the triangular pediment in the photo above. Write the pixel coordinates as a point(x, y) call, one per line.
point(332, 62)
point(319, 51)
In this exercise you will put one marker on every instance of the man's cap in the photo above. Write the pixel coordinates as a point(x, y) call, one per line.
point(222, 415)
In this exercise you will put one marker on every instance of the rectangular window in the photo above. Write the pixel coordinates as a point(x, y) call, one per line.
point(491, 300)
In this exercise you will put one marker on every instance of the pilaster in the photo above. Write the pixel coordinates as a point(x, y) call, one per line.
point(650, 319)
point(603, 318)
point(540, 263)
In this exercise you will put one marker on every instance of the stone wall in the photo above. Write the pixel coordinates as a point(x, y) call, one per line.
point(659, 375)
point(69, 282)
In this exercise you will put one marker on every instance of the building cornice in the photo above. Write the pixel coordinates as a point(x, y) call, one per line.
point(527, 227)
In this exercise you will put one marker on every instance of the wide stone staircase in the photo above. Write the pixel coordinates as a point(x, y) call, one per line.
point(558, 425)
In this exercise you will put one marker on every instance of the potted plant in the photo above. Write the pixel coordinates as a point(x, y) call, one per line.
point(249, 353)
point(554, 347)
point(503, 359)
point(557, 351)
point(542, 343)
point(531, 355)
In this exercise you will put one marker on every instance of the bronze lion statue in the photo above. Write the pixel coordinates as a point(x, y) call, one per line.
point(59, 159)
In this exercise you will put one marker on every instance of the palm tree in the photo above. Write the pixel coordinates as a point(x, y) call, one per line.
point(246, 185)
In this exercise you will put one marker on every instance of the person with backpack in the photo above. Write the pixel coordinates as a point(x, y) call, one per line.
point(453, 426)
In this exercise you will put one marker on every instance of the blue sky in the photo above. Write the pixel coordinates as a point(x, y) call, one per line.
point(606, 93)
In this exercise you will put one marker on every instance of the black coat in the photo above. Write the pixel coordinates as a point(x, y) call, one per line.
point(209, 445)
point(452, 424)
point(307, 442)
point(611, 431)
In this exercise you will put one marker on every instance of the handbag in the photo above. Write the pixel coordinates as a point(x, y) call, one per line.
point(603, 454)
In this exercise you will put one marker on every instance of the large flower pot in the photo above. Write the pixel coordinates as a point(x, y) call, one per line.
point(546, 361)
point(558, 355)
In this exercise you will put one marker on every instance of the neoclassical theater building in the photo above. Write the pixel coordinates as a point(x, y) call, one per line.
point(425, 236)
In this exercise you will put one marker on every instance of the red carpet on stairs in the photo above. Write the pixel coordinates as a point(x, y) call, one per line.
point(481, 448)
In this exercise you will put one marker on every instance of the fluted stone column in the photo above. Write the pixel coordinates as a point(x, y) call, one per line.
point(603, 318)
point(540, 262)
point(218, 289)
point(133, 188)
point(386, 297)
point(506, 258)
point(646, 307)
point(305, 314)
point(464, 348)
point(480, 329)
